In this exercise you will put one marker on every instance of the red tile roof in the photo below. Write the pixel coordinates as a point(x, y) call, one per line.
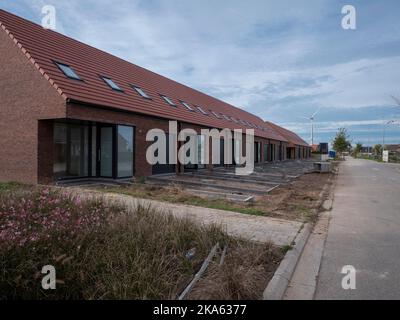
point(43, 47)
point(293, 138)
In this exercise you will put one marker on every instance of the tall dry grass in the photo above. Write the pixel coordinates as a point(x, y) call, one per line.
point(100, 251)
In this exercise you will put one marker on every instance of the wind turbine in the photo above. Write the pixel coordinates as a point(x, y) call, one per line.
point(395, 99)
point(312, 119)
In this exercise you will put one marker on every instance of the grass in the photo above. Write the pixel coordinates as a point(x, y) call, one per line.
point(10, 186)
point(372, 158)
point(104, 251)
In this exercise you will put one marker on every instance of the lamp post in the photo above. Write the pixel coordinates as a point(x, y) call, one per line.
point(384, 132)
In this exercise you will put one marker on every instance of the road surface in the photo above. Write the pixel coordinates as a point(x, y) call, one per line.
point(364, 232)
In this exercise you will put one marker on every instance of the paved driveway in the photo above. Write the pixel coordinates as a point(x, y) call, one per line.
point(254, 228)
point(364, 232)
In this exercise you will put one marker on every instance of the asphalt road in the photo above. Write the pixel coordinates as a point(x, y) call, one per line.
point(364, 232)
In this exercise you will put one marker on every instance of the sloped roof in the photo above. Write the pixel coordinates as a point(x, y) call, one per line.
point(44, 47)
point(292, 137)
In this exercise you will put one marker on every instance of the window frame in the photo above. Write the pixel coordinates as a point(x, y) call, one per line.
point(186, 105)
point(202, 111)
point(140, 91)
point(61, 64)
point(168, 100)
point(117, 87)
point(216, 114)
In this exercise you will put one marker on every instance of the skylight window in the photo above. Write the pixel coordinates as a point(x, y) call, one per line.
point(186, 105)
point(111, 83)
point(141, 92)
point(168, 100)
point(68, 71)
point(216, 114)
point(226, 118)
point(202, 110)
point(234, 120)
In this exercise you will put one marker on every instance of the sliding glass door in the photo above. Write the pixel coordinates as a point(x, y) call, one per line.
point(71, 151)
point(93, 150)
point(105, 151)
point(125, 138)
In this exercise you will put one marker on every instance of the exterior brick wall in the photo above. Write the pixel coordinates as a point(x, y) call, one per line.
point(25, 97)
point(141, 123)
point(28, 106)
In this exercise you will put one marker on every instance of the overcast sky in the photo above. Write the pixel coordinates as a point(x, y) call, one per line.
point(281, 60)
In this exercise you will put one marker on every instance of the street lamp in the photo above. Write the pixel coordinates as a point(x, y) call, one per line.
point(384, 131)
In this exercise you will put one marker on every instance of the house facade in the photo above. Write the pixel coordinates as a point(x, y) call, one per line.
point(68, 110)
point(296, 148)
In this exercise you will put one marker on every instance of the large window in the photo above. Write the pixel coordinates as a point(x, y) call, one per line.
point(71, 150)
point(125, 137)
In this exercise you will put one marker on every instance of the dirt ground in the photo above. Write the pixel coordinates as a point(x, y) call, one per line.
point(295, 201)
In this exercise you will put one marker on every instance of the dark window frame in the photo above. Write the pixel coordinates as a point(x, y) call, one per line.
point(118, 89)
point(164, 97)
point(202, 110)
point(187, 106)
point(136, 88)
point(59, 64)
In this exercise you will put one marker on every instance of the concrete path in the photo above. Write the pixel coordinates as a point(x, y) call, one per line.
point(364, 232)
point(254, 228)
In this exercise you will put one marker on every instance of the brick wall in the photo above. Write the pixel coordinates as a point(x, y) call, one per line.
point(25, 97)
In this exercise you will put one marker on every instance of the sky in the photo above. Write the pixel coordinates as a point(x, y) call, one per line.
point(281, 60)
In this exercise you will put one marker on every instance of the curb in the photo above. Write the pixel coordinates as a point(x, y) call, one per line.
point(277, 286)
point(279, 283)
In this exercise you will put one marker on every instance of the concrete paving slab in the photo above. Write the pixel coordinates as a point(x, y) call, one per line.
point(254, 228)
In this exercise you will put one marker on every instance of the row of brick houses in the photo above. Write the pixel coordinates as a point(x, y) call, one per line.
point(69, 110)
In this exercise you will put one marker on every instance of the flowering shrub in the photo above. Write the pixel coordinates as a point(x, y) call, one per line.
point(99, 250)
point(29, 217)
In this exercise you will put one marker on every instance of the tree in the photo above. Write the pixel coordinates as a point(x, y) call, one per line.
point(358, 149)
point(378, 149)
point(341, 142)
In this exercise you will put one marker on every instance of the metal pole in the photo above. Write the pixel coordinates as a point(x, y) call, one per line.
point(312, 131)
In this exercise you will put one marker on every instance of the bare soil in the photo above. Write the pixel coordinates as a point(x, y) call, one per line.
point(295, 201)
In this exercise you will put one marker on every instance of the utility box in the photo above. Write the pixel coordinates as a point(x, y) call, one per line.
point(322, 167)
point(323, 148)
point(385, 156)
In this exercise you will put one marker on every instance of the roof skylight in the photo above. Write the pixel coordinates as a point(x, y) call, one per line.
point(216, 114)
point(111, 83)
point(186, 105)
point(68, 71)
point(202, 110)
point(168, 100)
point(141, 92)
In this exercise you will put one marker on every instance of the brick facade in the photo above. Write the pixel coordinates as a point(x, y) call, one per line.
point(25, 97)
point(29, 105)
